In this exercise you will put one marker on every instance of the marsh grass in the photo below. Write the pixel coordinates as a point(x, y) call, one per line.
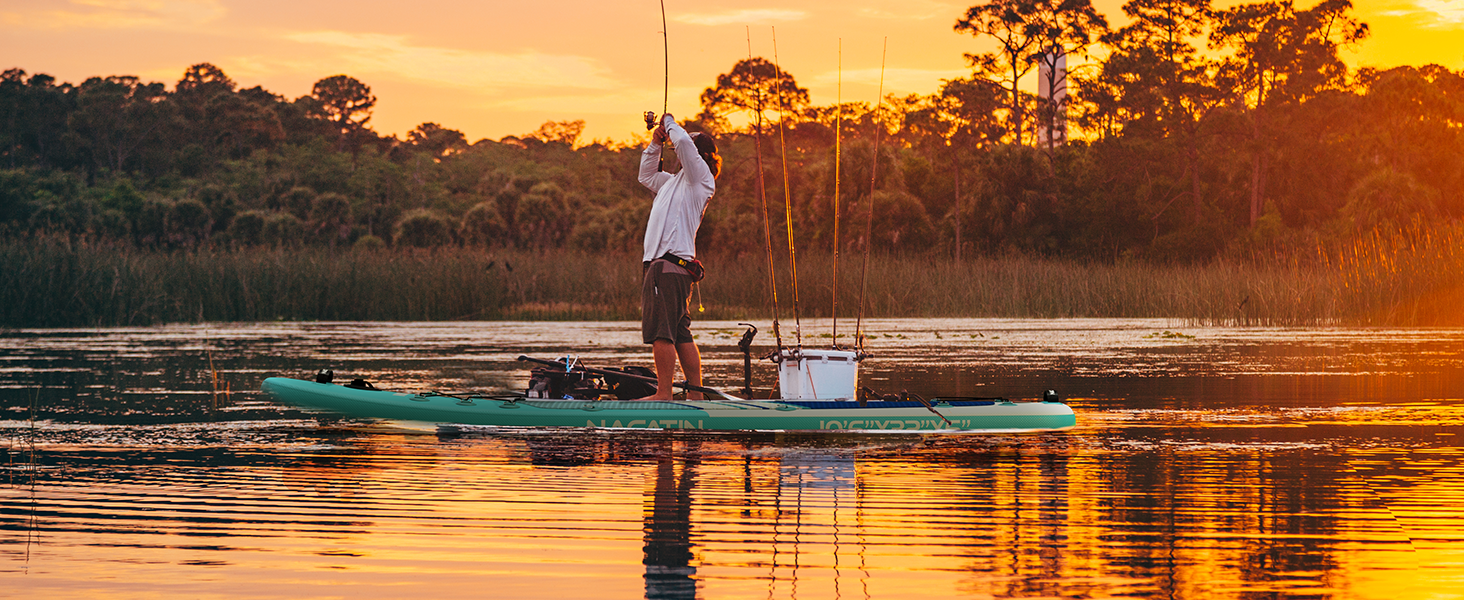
point(1412, 276)
point(57, 283)
point(1408, 277)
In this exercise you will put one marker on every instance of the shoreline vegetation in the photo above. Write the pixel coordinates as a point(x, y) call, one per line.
point(1195, 169)
point(1409, 277)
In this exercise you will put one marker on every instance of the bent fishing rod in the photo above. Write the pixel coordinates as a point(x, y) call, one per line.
point(665, 87)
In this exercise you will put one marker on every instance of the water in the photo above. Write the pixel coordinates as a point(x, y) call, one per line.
point(1207, 463)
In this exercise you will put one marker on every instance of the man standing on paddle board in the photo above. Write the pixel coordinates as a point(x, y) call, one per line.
point(669, 264)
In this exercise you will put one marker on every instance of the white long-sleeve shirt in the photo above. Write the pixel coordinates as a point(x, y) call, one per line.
point(681, 199)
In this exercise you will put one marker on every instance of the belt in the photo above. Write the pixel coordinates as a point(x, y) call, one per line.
point(676, 260)
point(671, 258)
point(693, 268)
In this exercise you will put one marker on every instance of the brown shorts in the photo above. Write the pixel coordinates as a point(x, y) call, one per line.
point(665, 294)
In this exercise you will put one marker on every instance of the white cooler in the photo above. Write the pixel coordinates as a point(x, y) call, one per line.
point(807, 374)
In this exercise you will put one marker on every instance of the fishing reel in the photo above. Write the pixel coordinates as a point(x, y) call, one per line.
point(651, 124)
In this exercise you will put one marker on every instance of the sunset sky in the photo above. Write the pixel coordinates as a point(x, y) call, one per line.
point(499, 68)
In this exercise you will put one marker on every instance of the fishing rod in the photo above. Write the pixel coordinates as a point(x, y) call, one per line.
point(869, 225)
point(762, 193)
point(665, 89)
point(666, 54)
point(787, 192)
point(838, 128)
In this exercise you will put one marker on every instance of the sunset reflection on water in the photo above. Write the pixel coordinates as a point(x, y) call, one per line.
point(1237, 464)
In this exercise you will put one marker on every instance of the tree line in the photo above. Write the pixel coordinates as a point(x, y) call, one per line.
point(1195, 132)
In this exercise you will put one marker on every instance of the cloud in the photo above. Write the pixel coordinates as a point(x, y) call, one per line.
point(393, 54)
point(119, 14)
point(1431, 14)
point(1447, 13)
point(746, 16)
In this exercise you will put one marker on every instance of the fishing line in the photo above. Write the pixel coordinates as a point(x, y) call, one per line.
point(762, 193)
point(869, 225)
point(787, 192)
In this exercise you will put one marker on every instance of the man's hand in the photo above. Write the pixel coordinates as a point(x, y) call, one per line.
point(659, 135)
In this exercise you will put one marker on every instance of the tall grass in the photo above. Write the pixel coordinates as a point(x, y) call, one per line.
point(1410, 277)
point(52, 283)
point(1016, 287)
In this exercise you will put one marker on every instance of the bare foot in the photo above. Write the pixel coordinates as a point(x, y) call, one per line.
point(655, 398)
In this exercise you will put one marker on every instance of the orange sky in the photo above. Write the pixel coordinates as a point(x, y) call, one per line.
point(503, 67)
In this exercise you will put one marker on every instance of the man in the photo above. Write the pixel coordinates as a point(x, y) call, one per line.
point(670, 250)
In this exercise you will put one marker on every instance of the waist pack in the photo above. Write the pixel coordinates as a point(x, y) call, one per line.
point(698, 272)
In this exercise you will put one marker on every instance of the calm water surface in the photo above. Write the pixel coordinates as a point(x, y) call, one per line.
point(1207, 463)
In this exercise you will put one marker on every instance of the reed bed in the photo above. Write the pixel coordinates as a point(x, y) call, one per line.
point(51, 283)
point(1024, 287)
point(1411, 277)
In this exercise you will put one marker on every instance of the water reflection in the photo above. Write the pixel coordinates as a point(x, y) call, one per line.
point(1234, 464)
point(812, 483)
point(778, 516)
point(669, 571)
